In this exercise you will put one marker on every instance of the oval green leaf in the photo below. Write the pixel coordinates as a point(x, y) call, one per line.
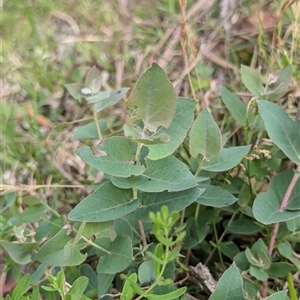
point(284, 132)
point(215, 196)
point(155, 99)
point(119, 258)
point(164, 174)
point(119, 158)
point(52, 252)
point(205, 136)
point(105, 204)
point(230, 285)
point(252, 79)
point(266, 207)
point(238, 110)
point(177, 130)
point(175, 201)
point(228, 159)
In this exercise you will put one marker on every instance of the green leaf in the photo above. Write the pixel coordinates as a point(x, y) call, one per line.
point(278, 296)
point(239, 110)
point(230, 285)
point(260, 251)
point(128, 292)
point(165, 174)
point(177, 130)
point(79, 233)
point(259, 256)
point(175, 201)
point(35, 293)
point(99, 97)
point(137, 289)
point(123, 226)
point(228, 159)
point(215, 196)
point(87, 271)
point(89, 131)
point(155, 99)
point(78, 288)
point(243, 226)
point(229, 249)
point(242, 261)
point(60, 281)
point(68, 248)
point(280, 269)
point(265, 258)
point(92, 83)
point(38, 273)
point(196, 230)
point(146, 272)
point(266, 207)
point(48, 288)
point(99, 230)
point(293, 225)
point(157, 259)
point(254, 261)
point(252, 79)
point(286, 250)
point(52, 252)
point(104, 283)
point(21, 288)
point(171, 295)
point(33, 213)
point(119, 258)
point(283, 131)
point(110, 98)
point(75, 90)
point(276, 91)
point(138, 135)
point(105, 204)
point(20, 253)
point(258, 273)
point(205, 136)
point(10, 200)
point(118, 160)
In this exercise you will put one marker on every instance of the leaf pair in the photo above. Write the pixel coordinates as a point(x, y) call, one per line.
point(271, 87)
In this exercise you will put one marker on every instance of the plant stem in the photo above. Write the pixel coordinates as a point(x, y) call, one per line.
point(138, 152)
point(246, 127)
point(292, 291)
point(134, 191)
point(188, 253)
point(220, 239)
point(97, 124)
point(200, 167)
point(276, 225)
point(95, 245)
point(197, 210)
point(182, 216)
point(151, 287)
point(218, 243)
point(142, 232)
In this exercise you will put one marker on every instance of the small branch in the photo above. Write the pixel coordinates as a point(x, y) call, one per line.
point(142, 232)
point(200, 167)
point(289, 190)
point(97, 124)
point(95, 245)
